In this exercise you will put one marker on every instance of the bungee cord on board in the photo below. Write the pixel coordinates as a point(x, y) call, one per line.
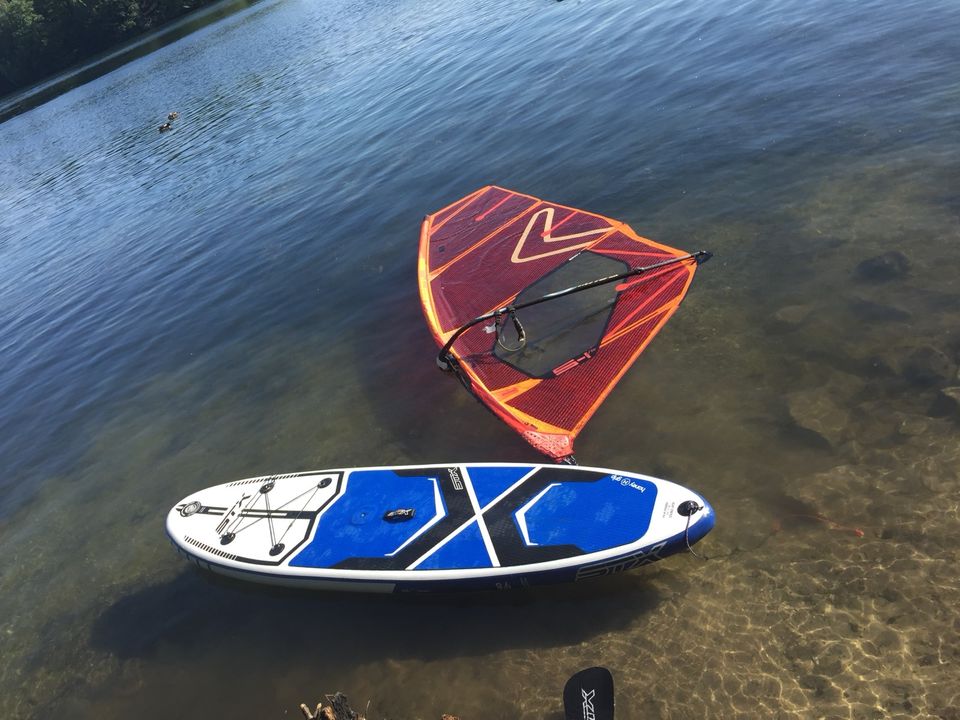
point(230, 527)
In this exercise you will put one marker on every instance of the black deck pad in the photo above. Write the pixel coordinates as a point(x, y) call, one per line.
point(459, 510)
point(507, 541)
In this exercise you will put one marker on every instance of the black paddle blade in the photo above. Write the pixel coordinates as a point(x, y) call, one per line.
point(588, 695)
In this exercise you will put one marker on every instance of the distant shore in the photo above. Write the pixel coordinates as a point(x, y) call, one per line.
point(43, 56)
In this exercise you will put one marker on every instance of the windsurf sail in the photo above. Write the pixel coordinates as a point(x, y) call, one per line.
point(541, 308)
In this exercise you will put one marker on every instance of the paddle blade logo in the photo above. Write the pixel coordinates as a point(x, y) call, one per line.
point(588, 713)
point(595, 703)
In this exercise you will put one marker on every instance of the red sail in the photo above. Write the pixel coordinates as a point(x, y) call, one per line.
point(546, 374)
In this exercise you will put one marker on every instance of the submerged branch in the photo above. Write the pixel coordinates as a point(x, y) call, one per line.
point(338, 708)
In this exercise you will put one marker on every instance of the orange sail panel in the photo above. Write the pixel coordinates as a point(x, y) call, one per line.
point(543, 366)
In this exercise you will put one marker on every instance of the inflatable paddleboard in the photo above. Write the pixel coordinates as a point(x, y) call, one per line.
point(437, 527)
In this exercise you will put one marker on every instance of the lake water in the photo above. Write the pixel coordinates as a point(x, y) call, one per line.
point(238, 297)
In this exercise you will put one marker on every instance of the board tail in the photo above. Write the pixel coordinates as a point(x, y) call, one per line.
point(588, 695)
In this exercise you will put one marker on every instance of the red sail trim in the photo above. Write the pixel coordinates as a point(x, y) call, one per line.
point(468, 239)
point(650, 299)
point(557, 225)
point(486, 212)
point(441, 217)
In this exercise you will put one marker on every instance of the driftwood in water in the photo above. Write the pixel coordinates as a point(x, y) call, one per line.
point(337, 709)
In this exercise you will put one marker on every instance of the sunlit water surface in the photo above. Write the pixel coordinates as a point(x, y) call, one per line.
point(237, 297)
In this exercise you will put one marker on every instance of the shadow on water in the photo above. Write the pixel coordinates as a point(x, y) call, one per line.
point(197, 611)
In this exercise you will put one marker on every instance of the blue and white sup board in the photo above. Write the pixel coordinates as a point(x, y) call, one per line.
point(437, 527)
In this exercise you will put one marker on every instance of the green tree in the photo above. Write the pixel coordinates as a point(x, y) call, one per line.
point(21, 38)
point(41, 37)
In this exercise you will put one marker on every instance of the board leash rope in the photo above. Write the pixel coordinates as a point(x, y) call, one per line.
point(689, 508)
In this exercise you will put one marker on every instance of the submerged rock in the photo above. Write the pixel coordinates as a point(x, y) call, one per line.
point(938, 472)
point(926, 365)
point(947, 403)
point(891, 265)
point(817, 411)
point(873, 312)
point(791, 317)
point(827, 410)
point(910, 425)
point(838, 490)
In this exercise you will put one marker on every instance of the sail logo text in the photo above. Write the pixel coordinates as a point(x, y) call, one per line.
point(455, 479)
point(547, 235)
point(588, 712)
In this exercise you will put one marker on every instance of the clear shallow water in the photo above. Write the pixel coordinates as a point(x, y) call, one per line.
point(238, 297)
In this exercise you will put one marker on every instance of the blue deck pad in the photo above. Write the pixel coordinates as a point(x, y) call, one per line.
point(490, 482)
point(465, 550)
point(354, 526)
point(611, 511)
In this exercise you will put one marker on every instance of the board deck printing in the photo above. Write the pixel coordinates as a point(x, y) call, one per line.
point(437, 527)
